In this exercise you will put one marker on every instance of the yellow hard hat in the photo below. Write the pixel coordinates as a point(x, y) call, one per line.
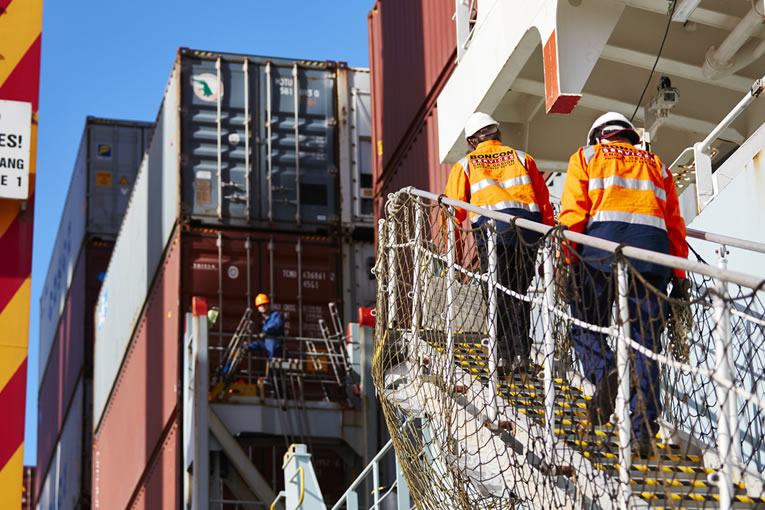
point(262, 299)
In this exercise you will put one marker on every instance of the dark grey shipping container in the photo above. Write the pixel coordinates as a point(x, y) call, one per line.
point(102, 180)
point(260, 140)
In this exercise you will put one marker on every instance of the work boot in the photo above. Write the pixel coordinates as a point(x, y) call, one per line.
point(601, 406)
point(644, 446)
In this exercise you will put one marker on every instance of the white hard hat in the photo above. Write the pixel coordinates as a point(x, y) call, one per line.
point(477, 122)
point(608, 125)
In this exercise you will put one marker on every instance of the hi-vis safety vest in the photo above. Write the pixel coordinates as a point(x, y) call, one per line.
point(499, 178)
point(625, 195)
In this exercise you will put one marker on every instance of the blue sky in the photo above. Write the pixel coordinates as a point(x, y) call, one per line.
point(112, 59)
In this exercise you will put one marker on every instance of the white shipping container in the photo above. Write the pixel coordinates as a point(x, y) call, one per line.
point(103, 176)
point(66, 485)
point(356, 149)
point(145, 231)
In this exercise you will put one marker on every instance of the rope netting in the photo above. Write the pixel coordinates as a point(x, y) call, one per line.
point(510, 379)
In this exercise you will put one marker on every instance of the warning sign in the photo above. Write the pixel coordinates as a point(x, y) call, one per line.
point(15, 141)
point(103, 178)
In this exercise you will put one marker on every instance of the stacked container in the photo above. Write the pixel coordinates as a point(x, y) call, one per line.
point(415, 39)
point(103, 176)
point(257, 179)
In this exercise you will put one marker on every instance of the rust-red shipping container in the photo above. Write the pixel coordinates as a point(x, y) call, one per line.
point(419, 165)
point(228, 268)
point(29, 480)
point(71, 354)
point(412, 52)
point(145, 396)
point(161, 489)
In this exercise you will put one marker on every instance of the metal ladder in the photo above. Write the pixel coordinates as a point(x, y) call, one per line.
point(236, 348)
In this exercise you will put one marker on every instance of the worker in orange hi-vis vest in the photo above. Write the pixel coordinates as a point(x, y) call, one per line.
point(626, 195)
point(503, 179)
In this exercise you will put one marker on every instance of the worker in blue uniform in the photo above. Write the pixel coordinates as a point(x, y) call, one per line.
point(269, 338)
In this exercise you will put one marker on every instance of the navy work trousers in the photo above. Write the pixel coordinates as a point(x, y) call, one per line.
point(647, 316)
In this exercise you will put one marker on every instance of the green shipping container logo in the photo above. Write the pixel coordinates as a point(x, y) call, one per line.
point(207, 87)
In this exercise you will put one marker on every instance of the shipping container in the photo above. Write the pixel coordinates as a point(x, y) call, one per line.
point(137, 383)
point(255, 140)
point(419, 165)
point(180, 156)
point(104, 172)
point(412, 52)
point(27, 497)
point(66, 486)
point(160, 488)
point(356, 185)
point(71, 350)
point(359, 287)
point(302, 274)
point(145, 396)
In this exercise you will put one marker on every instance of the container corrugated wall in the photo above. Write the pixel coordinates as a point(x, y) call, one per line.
point(145, 396)
point(413, 39)
point(29, 481)
point(412, 45)
point(68, 480)
point(245, 118)
point(104, 172)
point(355, 134)
point(72, 350)
point(301, 274)
point(160, 488)
point(138, 252)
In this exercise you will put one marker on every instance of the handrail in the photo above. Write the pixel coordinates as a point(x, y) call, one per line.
point(726, 240)
point(602, 244)
point(363, 474)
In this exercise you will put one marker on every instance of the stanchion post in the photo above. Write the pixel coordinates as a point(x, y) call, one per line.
point(727, 426)
point(623, 394)
point(451, 249)
point(492, 312)
point(549, 348)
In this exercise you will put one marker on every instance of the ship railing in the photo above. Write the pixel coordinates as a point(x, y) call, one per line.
point(315, 366)
point(380, 492)
point(442, 290)
point(694, 164)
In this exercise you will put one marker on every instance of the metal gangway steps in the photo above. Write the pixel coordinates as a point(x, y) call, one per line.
point(469, 435)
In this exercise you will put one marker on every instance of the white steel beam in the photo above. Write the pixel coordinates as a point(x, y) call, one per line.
point(673, 68)
point(249, 473)
point(679, 122)
point(700, 15)
point(684, 9)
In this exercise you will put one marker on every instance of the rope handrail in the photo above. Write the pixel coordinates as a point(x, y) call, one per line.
point(670, 261)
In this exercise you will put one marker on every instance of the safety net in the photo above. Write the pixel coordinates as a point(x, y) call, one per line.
point(518, 369)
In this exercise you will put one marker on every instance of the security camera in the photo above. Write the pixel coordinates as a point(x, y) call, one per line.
point(665, 99)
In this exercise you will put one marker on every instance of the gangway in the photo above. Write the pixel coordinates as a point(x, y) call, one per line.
point(476, 439)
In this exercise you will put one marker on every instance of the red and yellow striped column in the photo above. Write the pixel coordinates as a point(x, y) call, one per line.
point(20, 31)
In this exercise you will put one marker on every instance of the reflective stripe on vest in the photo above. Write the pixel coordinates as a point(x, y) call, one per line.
point(465, 167)
point(521, 157)
point(623, 182)
point(509, 183)
point(626, 217)
point(509, 204)
point(588, 152)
